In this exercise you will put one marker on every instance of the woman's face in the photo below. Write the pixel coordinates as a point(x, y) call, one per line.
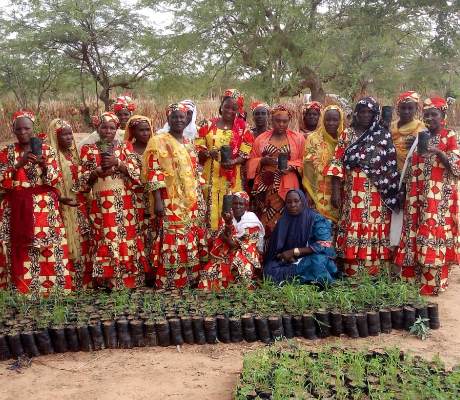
point(228, 109)
point(293, 203)
point(407, 111)
point(65, 138)
point(238, 207)
point(311, 118)
point(332, 122)
point(23, 128)
point(142, 132)
point(280, 123)
point(260, 115)
point(177, 121)
point(107, 131)
point(433, 119)
point(123, 115)
point(364, 117)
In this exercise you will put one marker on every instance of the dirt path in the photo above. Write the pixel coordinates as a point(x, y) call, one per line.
point(197, 372)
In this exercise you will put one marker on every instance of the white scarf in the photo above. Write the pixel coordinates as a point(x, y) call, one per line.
point(190, 131)
point(250, 220)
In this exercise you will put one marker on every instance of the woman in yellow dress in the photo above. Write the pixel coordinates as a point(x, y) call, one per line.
point(223, 176)
point(407, 127)
point(319, 151)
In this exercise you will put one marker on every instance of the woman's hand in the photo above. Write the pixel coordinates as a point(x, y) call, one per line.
point(159, 208)
point(27, 158)
point(214, 154)
point(265, 161)
point(108, 162)
point(68, 201)
point(287, 256)
point(228, 217)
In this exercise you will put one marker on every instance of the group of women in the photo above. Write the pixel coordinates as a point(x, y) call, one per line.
point(187, 206)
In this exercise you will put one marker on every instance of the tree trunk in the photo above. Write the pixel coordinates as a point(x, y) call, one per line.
point(104, 95)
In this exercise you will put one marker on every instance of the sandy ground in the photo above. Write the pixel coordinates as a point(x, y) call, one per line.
point(194, 372)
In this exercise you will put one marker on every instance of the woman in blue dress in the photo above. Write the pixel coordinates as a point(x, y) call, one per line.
point(301, 245)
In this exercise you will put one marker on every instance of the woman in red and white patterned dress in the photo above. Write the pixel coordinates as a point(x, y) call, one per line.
point(430, 244)
point(109, 170)
point(179, 250)
point(365, 189)
point(235, 254)
point(31, 226)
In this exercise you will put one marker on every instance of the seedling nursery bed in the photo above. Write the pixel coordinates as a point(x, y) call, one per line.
point(94, 320)
point(286, 370)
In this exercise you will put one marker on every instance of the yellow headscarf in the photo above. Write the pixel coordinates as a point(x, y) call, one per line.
point(131, 124)
point(177, 168)
point(319, 150)
point(69, 214)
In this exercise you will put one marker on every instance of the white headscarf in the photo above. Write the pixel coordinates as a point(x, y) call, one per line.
point(250, 220)
point(190, 131)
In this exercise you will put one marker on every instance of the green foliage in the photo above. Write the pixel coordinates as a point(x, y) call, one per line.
point(420, 328)
point(287, 370)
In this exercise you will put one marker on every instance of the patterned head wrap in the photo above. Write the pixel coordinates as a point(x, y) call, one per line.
point(23, 114)
point(124, 102)
point(259, 104)
point(237, 96)
point(189, 105)
point(312, 105)
point(370, 103)
point(242, 195)
point(176, 107)
point(132, 123)
point(281, 109)
point(106, 117)
point(435, 102)
point(59, 125)
point(408, 97)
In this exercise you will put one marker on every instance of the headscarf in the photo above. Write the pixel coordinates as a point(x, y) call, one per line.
point(436, 102)
point(291, 231)
point(319, 150)
point(176, 107)
point(248, 220)
point(235, 95)
point(124, 102)
point(312, 105)
point(23, 114)
point(190, 131)
point(375, 154)
point(176, 165)
point(281, 109)
point(408, 97)
point(401, 134)
point(69, 214)
point(259, 104)
point(107, 116)
point(131, 125)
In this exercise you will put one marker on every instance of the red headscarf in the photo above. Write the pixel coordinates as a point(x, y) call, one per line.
point(23, 114)
point(124, 102)
point(236, 95)
point(281, 109)
point(312, 105)
point(176, 107)
point(408, 97)
point(435, 102)
point(242, 195)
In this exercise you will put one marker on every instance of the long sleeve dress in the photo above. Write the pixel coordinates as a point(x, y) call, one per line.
point(430, 243)
point(180, 247)
point(117, 246)
point(363, 231)
point(31, 227)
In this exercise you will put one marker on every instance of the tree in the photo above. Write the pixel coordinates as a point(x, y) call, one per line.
point(105, 38)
